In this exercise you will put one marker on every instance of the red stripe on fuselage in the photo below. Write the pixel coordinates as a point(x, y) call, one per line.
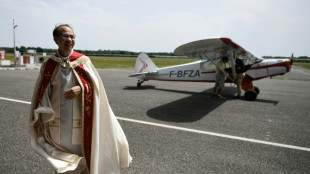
point(186, 80)
point(281, 64)
point(208, 72)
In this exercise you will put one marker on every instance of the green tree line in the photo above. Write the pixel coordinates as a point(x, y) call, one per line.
point(112, 53)
point(282, 57)
point(99, 52)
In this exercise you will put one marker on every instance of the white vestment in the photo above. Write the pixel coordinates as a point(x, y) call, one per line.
point(109, 146)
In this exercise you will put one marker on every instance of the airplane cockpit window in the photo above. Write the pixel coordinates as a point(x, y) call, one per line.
point(248, 58)
point(256, 58)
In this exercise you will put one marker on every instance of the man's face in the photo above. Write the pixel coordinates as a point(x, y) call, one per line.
point(65, 41)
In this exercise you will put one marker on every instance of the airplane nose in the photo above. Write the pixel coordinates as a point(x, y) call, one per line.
point(288, 65)
point(292, 59)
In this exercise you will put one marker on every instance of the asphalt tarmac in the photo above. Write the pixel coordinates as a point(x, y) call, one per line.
point(178, 127)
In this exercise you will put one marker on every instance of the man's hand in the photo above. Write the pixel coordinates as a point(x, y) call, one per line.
point(72, 92)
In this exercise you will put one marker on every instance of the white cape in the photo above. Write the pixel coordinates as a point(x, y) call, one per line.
point(110, 150)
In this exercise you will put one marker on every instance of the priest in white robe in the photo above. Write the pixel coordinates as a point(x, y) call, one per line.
point(71, 122)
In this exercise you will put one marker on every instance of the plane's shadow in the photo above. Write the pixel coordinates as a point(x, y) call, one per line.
point(188, 109)
point(191, 108)
point(143, 87)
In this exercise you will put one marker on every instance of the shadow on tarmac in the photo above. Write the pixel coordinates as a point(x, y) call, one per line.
point(188, 109)
point(193, 107)
point(267, 101)
point(143, 87)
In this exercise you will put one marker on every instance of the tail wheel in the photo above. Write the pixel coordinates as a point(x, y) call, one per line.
point(139, 83)
point(256, 89)
point(250, 95)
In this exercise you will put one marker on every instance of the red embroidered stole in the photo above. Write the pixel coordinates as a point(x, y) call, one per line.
point(88, 112)
point(47, 76)
point(88, 99)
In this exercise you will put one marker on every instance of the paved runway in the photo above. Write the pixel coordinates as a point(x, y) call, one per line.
point(179, 127)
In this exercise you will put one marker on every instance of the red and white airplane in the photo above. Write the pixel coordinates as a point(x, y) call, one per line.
point(210, 51)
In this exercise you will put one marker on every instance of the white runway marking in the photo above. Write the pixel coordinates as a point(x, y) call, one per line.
point(195, 131)
point(13, 100)
point(218, 134)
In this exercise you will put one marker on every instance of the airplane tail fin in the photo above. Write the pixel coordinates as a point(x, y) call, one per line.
point(144, 64)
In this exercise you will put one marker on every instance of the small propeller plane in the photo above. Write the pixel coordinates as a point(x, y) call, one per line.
point(210, 51)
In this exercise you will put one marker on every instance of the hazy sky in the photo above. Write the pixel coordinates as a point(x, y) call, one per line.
point(264, 27)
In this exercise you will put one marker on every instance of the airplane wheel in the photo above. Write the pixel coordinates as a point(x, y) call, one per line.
point(250, 95)
point(138, 84)
point(256, 89)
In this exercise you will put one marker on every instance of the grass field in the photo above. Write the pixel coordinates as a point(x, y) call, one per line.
point(125, 62)
point(129, 62)
point(304, 65)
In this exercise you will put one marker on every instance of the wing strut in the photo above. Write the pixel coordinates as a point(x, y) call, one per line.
point(232, 59)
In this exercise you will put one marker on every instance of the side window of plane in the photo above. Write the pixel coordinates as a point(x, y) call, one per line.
point(207, 65)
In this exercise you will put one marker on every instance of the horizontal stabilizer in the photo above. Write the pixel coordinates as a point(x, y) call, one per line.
point(138, 74)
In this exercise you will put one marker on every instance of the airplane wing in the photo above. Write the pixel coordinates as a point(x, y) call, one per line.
point(214, 49)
